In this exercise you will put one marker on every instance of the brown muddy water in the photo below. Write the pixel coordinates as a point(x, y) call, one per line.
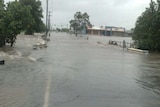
point(76, 72)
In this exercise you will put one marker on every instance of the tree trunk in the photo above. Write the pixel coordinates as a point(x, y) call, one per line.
point(2, 41)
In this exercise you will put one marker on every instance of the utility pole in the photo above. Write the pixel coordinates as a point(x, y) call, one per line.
point(46, 18)
point(49, 21)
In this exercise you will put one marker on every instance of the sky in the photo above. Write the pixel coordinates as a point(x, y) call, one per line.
point(119, 13)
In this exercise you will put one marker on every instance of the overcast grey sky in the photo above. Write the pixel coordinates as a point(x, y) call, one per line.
point(120, 13)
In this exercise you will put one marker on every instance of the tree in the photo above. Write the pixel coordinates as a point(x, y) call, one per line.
point(36, 12)
point(15, 19)
point(80, 22)
point(2, 38)
point(146, 33)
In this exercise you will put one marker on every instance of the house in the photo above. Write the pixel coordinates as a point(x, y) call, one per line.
point(106, 31)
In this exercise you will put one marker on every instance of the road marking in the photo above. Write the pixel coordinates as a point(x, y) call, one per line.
point(47, 91)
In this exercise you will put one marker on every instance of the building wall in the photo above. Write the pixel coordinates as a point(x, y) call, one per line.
point(94, 32)
point(115, 33)
point(107, 31)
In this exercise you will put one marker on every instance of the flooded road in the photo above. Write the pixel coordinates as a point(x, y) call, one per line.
point(75, 72)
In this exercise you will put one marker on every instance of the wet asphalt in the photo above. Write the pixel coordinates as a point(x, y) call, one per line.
point(76, 72)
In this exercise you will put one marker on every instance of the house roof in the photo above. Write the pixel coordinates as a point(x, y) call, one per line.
point(96, 28)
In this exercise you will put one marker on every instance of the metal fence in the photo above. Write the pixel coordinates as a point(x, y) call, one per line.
point(122, 44)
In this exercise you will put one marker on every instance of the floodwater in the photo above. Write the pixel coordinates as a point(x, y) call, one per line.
point(76, 72)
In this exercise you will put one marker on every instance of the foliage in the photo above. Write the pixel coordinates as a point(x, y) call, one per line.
point(146, 32)
point(17, 16)
point(36, 12)
point(64, 30)
point(2, 42)
point(58, 29)
point(15, 19)
point(80, 22)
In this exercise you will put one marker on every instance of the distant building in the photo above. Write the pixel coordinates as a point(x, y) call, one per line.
point(106, 31)
point(129, 33)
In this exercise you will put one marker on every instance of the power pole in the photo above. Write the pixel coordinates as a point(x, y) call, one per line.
point(46, 18)
point(49, 21)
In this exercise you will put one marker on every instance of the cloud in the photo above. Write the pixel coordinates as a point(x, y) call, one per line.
point(102, 12)
point(120, 2)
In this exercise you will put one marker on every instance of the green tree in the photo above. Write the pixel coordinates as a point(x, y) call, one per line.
point(36, 12)
point(2, 13)
point(16, 19)
point(80, 22)
point(146, 32)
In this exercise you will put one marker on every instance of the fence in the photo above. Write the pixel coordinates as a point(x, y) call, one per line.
point(123, 44)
